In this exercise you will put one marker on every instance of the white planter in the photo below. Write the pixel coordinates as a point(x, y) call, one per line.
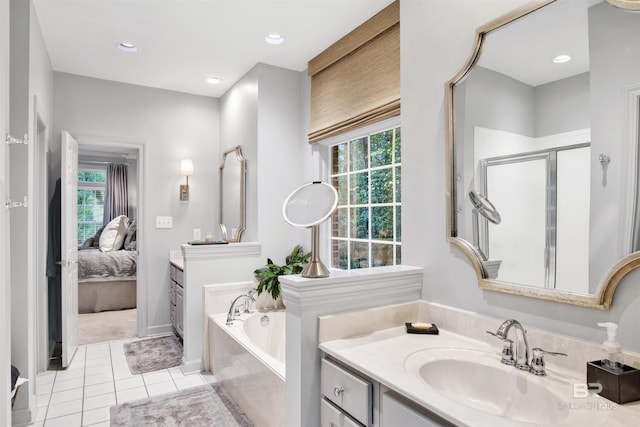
point(265, 302)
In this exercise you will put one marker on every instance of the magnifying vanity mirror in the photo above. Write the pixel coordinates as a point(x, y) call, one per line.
point(309, 206)
point(232, 194)
point(549, 91)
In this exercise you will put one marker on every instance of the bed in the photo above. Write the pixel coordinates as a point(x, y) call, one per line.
point(107, 278)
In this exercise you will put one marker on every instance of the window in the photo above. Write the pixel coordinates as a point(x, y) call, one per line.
point(365, 229)
point(91, 190)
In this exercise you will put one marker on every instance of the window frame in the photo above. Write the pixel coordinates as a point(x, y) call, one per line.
point(325, 171)
point(82, 185)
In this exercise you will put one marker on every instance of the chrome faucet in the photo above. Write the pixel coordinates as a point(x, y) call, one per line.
point(521, 361)
point(233, 310)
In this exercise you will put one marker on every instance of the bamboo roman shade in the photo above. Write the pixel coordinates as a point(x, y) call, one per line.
point(356, 81)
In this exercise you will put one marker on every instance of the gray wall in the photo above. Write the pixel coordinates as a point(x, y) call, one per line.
point(562, 106)
point(263, 113)
point(5, 289)
point(437, 38)
point(172, 126)
point(31, 89)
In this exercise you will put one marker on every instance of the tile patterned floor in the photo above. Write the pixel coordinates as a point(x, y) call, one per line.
point(97, 379)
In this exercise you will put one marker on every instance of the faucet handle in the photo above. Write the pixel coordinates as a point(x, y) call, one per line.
point(507, 352)
point(507, 349)
point(537, 361)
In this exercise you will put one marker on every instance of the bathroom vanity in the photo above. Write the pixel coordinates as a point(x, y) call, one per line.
point(373, 367)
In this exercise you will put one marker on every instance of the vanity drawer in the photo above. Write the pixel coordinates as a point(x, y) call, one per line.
point(347, 391)
point(330, 416)
point(179, 277)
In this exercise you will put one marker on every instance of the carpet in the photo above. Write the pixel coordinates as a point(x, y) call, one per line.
point(153, 354)
point(107, 326)
point(204, 406)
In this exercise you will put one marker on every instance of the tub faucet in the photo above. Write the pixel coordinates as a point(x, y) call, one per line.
point(521, 360)
point(233, 310)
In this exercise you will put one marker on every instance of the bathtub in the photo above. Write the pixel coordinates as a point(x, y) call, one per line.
point(248, 359)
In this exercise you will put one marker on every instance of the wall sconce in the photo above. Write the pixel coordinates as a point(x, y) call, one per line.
point(186, 169)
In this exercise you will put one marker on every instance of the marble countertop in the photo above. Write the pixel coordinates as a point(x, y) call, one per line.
point(381, 355)
point(175, 258)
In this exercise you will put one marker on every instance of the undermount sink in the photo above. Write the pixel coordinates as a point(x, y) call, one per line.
point(479, 381)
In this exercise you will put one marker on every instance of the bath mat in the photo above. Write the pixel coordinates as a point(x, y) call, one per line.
point(153, 354)
point(204, 406)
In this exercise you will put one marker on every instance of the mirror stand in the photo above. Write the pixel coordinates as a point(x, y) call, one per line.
point(315, 268)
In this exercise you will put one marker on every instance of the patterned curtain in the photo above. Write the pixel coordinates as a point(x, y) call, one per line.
point(116, 200)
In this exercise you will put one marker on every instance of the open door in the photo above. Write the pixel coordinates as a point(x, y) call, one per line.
point(69, 241)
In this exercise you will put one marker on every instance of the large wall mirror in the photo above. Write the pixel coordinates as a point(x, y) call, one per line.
point(232, 194)
point(543, 128)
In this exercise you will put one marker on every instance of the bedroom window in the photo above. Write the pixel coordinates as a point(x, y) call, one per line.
point(365, 230)
point(91, 190)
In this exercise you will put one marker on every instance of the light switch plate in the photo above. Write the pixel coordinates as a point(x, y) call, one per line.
point(164, 222)
point(196, 234)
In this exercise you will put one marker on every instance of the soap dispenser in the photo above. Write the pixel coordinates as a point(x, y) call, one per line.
point(612, 359)
point(614, 380)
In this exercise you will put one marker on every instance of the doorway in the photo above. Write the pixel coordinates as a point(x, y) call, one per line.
point(116, 322)
point(107, 268)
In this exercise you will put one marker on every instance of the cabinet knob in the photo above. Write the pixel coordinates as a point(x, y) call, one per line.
point(337, 391)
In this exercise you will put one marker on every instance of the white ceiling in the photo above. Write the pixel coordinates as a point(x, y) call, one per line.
point(181, 42)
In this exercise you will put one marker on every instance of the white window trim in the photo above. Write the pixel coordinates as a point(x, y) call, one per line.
point(323, 150)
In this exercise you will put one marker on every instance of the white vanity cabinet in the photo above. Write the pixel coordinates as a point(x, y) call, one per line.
point(347, 398)
point(176, 296)
point(395, 413)
point(351, 399)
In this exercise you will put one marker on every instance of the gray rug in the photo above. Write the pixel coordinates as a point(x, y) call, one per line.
point(203, 406)
point(153, 354)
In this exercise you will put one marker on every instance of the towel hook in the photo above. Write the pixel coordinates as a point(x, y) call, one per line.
point(604, 162)
point(11, 140)
point(9, 204)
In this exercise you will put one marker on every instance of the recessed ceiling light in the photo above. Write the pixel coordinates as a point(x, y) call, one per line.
point(213, 80)
point(274, 39)
point(127, 47)
point(562, 58)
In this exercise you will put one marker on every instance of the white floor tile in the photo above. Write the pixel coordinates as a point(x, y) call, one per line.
point(105, 377)
point(66, 396)
point(123, 373)
point(74, 420)
point(157, 377)
point(176, 372)
point(59, 386)
point(99, 401)
point(98, 369)
point(129, 383)
point(189, 381)
point(102, 361)
point(69, 375)
point(95, 416)
point(104, 424)
point(44, 389)
point(42, 400)
point(208, 377)
point(131, 394)
point(65, 408)
point(98, 389)
point(161, 388)
point(41, 413)
point(45, 378)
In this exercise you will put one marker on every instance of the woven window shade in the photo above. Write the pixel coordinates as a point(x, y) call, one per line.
point(356, 81)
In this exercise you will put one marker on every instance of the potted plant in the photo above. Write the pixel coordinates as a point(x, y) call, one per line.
point(267, 277)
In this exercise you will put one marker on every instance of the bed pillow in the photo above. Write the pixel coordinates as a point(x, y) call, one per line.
point(113, 235)
point(130, 239)
point(96, 238)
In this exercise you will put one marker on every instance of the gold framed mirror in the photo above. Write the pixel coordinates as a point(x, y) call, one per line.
point(552, 145)
point(232, 194)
